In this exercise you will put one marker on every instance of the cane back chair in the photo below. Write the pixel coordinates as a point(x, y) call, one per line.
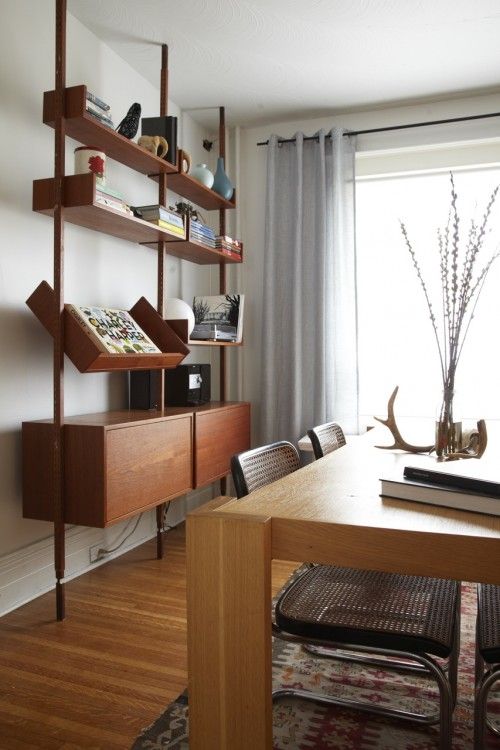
point(411, 618)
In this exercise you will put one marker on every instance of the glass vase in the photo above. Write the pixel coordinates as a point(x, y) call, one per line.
point(448, 427)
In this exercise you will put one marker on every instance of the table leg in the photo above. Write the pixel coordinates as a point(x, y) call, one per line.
point(229, 632)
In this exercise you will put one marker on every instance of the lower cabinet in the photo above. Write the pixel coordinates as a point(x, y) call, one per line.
point(112, 470)
point(219, 433)
point(117, 464)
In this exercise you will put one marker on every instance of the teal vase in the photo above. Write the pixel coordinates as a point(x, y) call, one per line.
point(222, 184)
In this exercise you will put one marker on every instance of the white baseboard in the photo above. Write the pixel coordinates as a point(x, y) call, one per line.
point(29, 572)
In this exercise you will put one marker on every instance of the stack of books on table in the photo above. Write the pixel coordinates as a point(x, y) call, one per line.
point(163, 218)
point(228, 246)
point(201, 233)
point(107, 196)
point(99, 109)
point(465, 486)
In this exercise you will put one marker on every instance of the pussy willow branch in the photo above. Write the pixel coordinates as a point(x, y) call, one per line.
point(429, 305)
point(456, 295)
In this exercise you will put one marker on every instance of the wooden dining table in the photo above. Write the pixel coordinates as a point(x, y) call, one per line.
point(329, 511)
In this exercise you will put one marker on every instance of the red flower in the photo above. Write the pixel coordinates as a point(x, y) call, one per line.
point(96, 165)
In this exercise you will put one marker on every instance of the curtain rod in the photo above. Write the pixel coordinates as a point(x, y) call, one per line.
point(393, 127)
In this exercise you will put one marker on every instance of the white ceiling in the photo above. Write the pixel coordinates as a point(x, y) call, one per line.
point(269, 60)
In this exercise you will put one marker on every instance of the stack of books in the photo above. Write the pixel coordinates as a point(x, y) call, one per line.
point(99, 109)
point(163, 218)
point(107, 196)
point(201, 233)
point(467, 487)
point(228, 246)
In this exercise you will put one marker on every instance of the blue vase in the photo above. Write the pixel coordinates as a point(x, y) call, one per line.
point(222, 184)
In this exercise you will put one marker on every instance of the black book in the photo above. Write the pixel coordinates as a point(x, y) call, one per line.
point(448, 478)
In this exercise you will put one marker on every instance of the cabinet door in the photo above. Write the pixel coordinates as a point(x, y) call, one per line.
point(147, 464)
point(218, 436)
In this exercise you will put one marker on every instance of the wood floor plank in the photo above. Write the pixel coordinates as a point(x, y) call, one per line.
point(95, 680)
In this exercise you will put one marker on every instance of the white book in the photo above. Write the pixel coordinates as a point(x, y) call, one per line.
point(420, 492)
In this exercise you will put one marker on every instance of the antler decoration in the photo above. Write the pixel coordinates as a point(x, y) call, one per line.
point(399, 442)
point(478, 440)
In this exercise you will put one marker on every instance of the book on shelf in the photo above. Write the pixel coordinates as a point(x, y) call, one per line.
point(158, 212)
point(433, 494)
point(100, 118)
point(229, 253)
point(201, 229)
point(218, 318)
point(91, 107)
point(108, 190)
point(97, 101)
point(169, 227)
point(114, 331)
point(103, 200)
point(225, 241)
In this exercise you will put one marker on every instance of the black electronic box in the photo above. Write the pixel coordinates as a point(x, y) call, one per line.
point(186, 385)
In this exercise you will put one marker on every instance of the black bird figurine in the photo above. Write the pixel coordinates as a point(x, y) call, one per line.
point(130, 123)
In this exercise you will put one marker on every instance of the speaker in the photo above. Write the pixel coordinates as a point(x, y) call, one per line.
point(186, 385)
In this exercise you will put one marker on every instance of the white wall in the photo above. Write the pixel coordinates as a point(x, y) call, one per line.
point(98, 269)
point(464, 143)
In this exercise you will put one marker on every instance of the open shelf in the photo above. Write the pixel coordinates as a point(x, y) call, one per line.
point(87, 356)
point(197, 252)
point(85, 129)
point(81, 208)
point(189, 188)
point(214, 343)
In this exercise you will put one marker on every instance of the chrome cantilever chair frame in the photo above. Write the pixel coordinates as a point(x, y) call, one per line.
point(258, 467)
point(487, 637)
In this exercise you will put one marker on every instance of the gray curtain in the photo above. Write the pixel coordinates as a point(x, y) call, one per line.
point(309, 334)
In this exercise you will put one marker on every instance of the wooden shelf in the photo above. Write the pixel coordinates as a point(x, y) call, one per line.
point(87, 356)
point(81, 208)
point(189, 188)
point(214, 343)
point(196, 252)
point(85, 129)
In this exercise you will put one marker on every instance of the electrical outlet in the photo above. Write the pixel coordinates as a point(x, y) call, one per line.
point(94, 553)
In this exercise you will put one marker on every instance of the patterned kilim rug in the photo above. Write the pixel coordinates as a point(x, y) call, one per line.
point(303, 725)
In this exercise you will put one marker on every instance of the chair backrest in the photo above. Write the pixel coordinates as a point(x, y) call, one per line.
point(260, 466)
point(326, 438)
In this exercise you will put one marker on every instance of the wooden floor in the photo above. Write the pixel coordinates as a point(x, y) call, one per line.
point(96, 679)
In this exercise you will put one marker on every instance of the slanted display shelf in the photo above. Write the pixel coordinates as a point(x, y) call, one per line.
point(87, 356)
point(82, 208)
point(85, 129)
point(194, 191)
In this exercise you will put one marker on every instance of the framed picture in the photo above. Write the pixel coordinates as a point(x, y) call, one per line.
point(218, 318)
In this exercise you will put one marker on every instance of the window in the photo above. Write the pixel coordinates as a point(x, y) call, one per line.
point(396, 340)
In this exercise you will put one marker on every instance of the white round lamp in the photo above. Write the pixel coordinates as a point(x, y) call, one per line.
point(177, 309)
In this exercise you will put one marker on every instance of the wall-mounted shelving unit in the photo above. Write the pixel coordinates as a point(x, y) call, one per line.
point(138, 459)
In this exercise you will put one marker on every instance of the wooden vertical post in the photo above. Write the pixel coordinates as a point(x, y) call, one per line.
point(162, 200)
point(58, 358)
point(222, 274)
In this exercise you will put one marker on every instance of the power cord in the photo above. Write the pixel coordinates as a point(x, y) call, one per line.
point(102, 552)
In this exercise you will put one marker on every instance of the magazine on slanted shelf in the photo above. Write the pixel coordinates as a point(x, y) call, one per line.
point(114, 330)
point(218, 318)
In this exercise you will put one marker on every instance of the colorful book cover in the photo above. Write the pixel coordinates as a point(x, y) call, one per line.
point(116, 330)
